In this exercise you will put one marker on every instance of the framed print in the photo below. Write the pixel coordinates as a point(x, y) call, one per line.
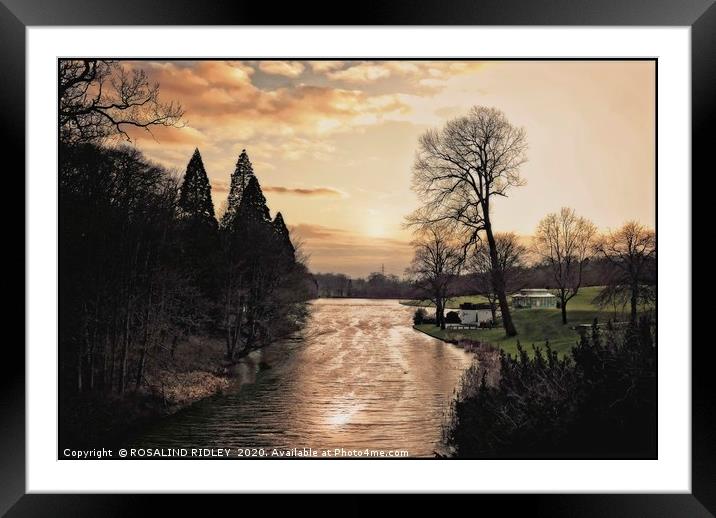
point(390, 257)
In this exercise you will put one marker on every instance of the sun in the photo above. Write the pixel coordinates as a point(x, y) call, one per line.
point(375, 225)
point(376, 230)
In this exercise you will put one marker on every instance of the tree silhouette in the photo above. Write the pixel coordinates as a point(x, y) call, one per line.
point(200, 243)
point(100, 99)
point(239, 180)
point(283, 236)
point(195, 194)
point(631, 251)
point(253, 213)
point(459, 170)
point(564, 243)
point(436, 266)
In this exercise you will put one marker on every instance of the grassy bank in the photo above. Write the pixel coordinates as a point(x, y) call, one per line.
point(534, 326)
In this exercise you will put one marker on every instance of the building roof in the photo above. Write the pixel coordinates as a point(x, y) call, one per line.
point(541, 295)
point(469, 305)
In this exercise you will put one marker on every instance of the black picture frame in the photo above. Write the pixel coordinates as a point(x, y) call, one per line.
point(17, 15)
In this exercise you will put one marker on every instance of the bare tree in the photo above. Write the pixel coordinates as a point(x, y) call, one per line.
point(511, 260)
point(436, 265)
point(459, 170)
point(100, 99)
point(631, 251)
point(564, 242)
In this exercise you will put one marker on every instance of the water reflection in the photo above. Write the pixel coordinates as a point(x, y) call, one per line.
point(360, 378)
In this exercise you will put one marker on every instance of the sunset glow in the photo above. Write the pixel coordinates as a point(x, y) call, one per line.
point(332, 142)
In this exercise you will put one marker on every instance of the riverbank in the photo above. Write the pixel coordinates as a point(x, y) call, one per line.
point(104, 421)
point(99, 419)
point(534, 326)
point(533, 329)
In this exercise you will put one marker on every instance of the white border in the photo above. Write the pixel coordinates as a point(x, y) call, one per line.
point(670, 473)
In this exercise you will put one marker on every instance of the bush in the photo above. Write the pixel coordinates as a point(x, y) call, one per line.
point(452, 317)
point(598, 402)
point(419, 316)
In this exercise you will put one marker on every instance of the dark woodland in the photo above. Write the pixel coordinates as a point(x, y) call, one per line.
point(145, 267)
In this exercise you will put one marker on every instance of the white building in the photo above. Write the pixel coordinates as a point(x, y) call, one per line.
point(473, 314)
point(534, 298)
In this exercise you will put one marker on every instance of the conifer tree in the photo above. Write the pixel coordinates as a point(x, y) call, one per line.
point(199, 228)
point(195, 194)
point(283, 237)
point(252, 213)
point(239, 180)
point(254, 247)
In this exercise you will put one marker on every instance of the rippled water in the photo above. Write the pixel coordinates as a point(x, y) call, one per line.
point(360, 378)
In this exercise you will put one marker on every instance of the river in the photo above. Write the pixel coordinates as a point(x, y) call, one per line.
point(360, 377)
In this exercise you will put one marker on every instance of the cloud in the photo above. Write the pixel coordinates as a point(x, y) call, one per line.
point(419, 72)
point(162, 135)
point(320, 67)
point(282, 68)
point(304, 191)
point(221, 101)
point(341, 238)
point(309, 231)
point(291, 148)
point(363, 73)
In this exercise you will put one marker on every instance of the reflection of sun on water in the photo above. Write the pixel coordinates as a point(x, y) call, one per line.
point(342, 416)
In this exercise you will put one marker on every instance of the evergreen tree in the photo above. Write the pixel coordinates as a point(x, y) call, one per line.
point(283, 236)
point(195, 194)
point(252, 213)
point(199, 228)
point(239, 180)
point(253, 248)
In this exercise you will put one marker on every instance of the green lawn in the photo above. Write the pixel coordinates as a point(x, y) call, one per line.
point(534, 326)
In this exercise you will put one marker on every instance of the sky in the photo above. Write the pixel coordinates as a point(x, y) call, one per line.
point(332, 142)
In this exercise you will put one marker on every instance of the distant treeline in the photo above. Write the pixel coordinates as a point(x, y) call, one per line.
point(144, 264)
point(597, 272)
point(375, 286)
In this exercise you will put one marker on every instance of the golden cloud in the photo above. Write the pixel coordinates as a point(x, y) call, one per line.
point(222, 103)
point(371, 71)
point(282, 68)
point(161, 135)
point(363, 73)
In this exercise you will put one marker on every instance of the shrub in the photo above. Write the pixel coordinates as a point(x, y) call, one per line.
point(597, 402)
point(419, 316)
point(452, 317)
